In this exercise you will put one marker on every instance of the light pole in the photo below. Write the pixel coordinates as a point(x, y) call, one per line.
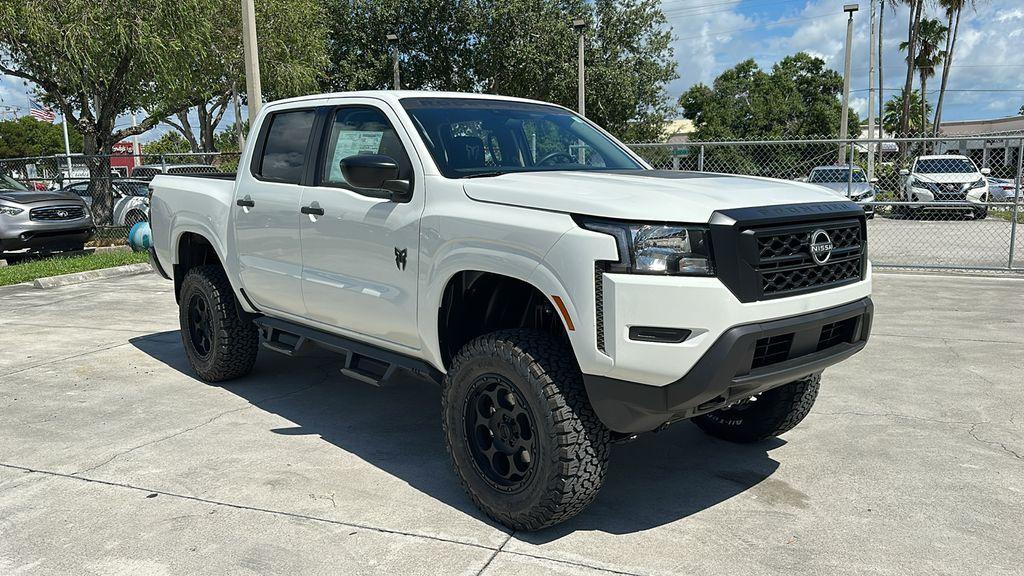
point(581, 25)
point(253, 88)
point(849, 9)
point(393, 40)
point(871, 94)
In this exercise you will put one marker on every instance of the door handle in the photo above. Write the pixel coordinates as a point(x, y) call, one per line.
point(246, 202)
point(314, 210)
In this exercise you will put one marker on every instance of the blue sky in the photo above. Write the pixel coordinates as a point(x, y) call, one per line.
point(713, 35)
point(987, 80)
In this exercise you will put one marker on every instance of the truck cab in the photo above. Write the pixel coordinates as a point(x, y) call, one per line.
point(563, 293)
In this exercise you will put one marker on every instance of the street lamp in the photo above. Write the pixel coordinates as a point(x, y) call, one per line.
point(580, 25)
point(849, 9)
point(393, 40)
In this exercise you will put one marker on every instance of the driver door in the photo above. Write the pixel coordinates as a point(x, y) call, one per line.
point(360, 253)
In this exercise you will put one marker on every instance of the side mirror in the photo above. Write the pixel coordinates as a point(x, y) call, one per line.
point(376, 172)
point(904, 172)
point(986, 171)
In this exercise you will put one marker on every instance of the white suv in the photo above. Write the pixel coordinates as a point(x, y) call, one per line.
point(948, 182)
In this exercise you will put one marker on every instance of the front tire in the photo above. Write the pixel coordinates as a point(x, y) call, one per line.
point(980, 213)
point(219, 344)
point(767, 415)
point(523, 438)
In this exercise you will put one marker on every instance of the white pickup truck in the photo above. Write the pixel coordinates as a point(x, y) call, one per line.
point(564, 295)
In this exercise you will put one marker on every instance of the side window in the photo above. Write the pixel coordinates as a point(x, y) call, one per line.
point(359, 130)
point(284, 152)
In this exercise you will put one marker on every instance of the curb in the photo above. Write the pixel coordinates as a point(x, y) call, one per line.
point(90, 275)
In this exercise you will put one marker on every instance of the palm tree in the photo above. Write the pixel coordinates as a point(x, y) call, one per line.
point(913, 26)
point(931, 34)
point(953, 10)
point(881, 45)
point(892, 112)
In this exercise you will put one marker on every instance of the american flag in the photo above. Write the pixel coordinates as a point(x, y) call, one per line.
point(42, 113)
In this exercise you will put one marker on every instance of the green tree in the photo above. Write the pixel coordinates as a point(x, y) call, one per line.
point(293, 56)
point(799, 98)
point(892, 113)
point(27, 136)
point(524, 48)
point(168, 143)
point(96, 60)
point(930, 35)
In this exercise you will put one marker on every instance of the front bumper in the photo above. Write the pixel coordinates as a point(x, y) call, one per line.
point(46, 238)
point(728, 372)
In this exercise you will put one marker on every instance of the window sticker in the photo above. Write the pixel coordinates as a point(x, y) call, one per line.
point(353, 143)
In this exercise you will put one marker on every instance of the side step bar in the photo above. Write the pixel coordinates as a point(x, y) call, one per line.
point(364, 362)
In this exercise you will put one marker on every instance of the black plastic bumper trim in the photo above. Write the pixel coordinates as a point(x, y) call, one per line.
point(154, 263)
point(723, 375)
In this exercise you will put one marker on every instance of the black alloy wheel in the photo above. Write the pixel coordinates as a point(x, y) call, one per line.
point(501, 433)
point(200, 325)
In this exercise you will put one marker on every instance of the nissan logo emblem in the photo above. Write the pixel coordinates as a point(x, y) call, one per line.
point(821, 246)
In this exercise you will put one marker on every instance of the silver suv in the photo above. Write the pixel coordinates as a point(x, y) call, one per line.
point(41, 220)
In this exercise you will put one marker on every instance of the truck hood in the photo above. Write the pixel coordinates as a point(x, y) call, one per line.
point(19, 197)
point(658, 195)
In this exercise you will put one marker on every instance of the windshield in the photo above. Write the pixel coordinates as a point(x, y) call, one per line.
point(11, 185)
point(820, 175)
point(133, 188)
point(945, 166)
point(475, 137)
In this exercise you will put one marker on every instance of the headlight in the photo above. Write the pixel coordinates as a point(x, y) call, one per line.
point(979, 184)
point(10, 210)
point(665, 249)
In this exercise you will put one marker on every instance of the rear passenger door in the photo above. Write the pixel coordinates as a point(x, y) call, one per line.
point(266, 211)
point(360, 252)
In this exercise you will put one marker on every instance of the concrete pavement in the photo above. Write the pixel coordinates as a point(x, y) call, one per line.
point(114, 459)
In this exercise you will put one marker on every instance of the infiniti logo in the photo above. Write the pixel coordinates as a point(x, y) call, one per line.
point(821, 246)
point(62, 213)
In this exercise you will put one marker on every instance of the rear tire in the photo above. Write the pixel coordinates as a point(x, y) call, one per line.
point(769, 414)
point(980, 213)
point(220, 346)
point(520, 430)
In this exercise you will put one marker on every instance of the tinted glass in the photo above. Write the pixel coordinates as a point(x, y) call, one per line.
point(284, 152)
point(357, 131)
point(820, 175)
point(8, 183)
point(945, 166)
point(476, 137)
point(133, 188)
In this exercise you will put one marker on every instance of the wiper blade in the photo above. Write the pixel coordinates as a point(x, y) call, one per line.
point(484, 174)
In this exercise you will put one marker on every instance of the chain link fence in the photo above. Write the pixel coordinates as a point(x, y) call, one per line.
point(943, 203)
point(952, 202)
point(115, 187)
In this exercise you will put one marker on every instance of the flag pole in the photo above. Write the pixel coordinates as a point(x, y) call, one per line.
point(67, 143)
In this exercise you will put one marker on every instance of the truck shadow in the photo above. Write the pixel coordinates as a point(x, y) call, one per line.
point(655, 480)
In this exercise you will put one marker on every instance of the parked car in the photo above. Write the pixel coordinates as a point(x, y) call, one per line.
point(848, 184)
point(131, 199)
point(147, 171)
point(41, 221)
point(1003, 190)
point(949, 183)
point(566, 294)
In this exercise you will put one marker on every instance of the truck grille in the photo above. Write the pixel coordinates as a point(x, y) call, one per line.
point(57, 213)
point(785, 264)
point(946, 192)
point(779, 348)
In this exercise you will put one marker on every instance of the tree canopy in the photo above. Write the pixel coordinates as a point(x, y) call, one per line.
point(524, 48)
point(798, 98)
point(27, 136)
point(292, 37)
